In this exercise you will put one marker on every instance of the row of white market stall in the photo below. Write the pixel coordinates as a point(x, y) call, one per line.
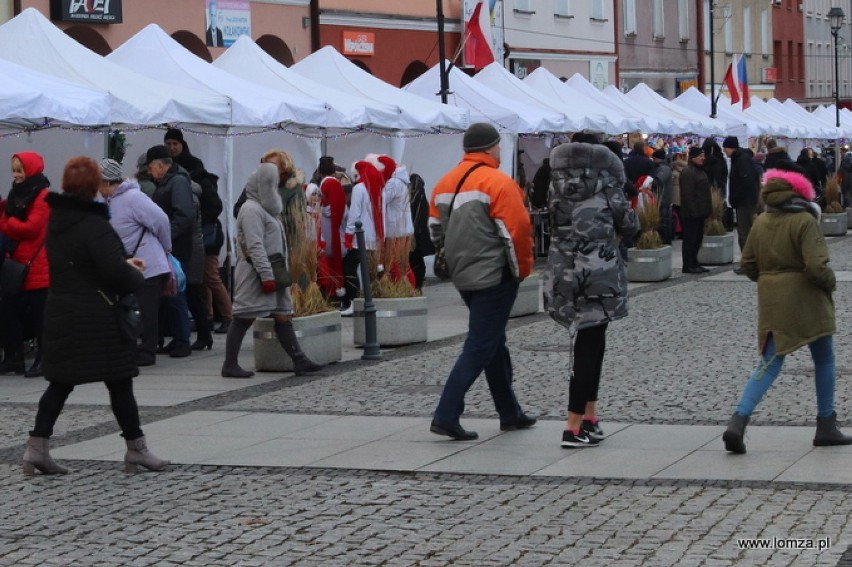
point(64, 97)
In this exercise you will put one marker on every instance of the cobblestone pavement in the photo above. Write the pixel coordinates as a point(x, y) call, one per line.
point(681, 357)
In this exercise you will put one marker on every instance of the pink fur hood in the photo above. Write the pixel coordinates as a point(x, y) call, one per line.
point(797, 182)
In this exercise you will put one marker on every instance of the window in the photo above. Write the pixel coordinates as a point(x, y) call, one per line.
point(729, 30)
point(659, 30)
point(747, 29)
point(562, 8)
point(598, 10)
point(629, 7)
point(765, 33)
point(683, 20)
point(524, 6)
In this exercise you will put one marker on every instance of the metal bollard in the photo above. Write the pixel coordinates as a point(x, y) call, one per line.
point(371, 345)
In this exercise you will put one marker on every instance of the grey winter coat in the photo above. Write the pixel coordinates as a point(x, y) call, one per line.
point(259, 235)
point(174, 196)
point(195, 267)
point(585, 283)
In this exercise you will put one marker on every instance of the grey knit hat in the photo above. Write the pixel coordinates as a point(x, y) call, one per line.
point(479, 137)
point(111, 170)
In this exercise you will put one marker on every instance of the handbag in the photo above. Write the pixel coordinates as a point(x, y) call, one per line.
point(440, 266)
point(280, 270)
point(127, 315)
point(178, 274)
point(13, 274)
point(212, 235)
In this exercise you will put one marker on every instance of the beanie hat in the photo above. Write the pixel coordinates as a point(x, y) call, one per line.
point(326, 165)
point(479, 137)
point(157, 152)
point(695, 151)
point(731, 142)
point(659, 154)
point(111, 170)
point(142, 160)
point(174, 134)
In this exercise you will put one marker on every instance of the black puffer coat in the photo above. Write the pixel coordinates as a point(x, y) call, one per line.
point(81, 338)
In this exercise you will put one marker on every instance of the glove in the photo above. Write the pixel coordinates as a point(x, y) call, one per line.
point(347, 240)
point(268, 286)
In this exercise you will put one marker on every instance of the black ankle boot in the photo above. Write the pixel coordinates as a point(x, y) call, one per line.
point(733, 436)
point(36, 369)
point(287, 337)
point(828, 434)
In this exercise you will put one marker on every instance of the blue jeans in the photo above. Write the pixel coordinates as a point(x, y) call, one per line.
point(822, 353)
point(484, 349)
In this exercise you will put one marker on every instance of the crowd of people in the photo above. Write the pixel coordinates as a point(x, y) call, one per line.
point(70, 258)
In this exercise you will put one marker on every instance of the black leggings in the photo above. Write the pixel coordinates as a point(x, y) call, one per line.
point(120, 397)
point(589, 348)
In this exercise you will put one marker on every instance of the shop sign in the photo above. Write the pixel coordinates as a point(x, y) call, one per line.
point(769, 75)
point(521, 68)
point(359, 43)
point(86, 11)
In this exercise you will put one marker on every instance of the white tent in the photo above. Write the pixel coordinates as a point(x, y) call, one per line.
point(649, 100)
point(485, 104)
point(827, 114)
point(248, 61)
point(784, 125)
point(330, 68)
point(31, 98)
point(616, 107)
point(29, 39)
point(152, 52)
point(803, 116)
point(571, 99)
point(657, 122)
point(499, 79)
point(736, 122)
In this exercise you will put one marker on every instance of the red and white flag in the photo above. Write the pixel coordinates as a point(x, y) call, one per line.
point(736, 79)
point(477, 31)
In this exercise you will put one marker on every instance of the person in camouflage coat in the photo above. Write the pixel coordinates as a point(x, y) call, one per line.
point(585, 284)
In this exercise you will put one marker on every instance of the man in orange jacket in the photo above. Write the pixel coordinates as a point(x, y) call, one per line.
point(479, 213)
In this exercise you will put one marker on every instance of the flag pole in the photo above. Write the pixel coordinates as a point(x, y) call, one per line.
point(445, 82)
point(713, 97)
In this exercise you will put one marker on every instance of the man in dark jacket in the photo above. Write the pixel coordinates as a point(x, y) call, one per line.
point(743, 186)
point(695, 207)
point(638, 163)
point(665, 188)
point(541, 185)
point(174, 196)
point(776, 154)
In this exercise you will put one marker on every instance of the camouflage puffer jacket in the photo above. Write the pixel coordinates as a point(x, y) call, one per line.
point(585, 283)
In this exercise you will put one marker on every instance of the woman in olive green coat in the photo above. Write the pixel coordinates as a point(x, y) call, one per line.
point(787, 256)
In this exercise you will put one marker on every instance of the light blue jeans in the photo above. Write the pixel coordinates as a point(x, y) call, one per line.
point(822, 353)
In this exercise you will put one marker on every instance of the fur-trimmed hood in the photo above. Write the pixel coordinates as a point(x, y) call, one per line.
point(577, 155)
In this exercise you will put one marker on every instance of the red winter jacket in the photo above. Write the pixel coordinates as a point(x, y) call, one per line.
point(30, 233)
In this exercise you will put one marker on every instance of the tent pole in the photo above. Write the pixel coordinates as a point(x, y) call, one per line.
point(442, 52)
point(324, 142)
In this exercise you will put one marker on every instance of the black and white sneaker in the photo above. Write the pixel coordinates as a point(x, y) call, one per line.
point(571, 441)
point(593, 430)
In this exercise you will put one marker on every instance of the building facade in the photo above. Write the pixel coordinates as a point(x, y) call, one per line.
point(658, 46)
point(816, 67)
point(788, 49)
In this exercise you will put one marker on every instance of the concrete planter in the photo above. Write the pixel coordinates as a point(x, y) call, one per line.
point(717, 250)
point(529, 295)
point(848, 217)
point(649, 265)
point(399, 321)
point(833, 224)
point(319, 336)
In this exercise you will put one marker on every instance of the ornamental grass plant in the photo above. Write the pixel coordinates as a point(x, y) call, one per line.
point(649, 222)
point(714, 226)
point(831, 196)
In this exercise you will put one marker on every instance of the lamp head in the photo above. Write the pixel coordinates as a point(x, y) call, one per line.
point(835, 18)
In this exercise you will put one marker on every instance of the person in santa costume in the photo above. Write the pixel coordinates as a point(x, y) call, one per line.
point(332, 226)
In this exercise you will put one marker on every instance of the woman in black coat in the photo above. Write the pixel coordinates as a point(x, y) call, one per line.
point(89, 271)
point(422, 241)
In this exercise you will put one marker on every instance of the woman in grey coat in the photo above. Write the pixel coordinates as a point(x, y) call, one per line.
point(585, 285)
point(260, 234)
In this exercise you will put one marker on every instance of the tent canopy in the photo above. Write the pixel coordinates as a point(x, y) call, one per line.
point(248, 61)
point(30, 96)
point(820, 126)
point(29, 39)
point(579, 83)
point(330, 68)
point(652, 102)
point(485, 104)
point(736, 122)
point(152, 52)
point(572, 100)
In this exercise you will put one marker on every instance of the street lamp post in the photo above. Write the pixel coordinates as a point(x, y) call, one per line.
point(835, 21)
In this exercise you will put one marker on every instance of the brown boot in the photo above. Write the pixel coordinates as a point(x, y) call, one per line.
point(37, 456)
point(138, 454)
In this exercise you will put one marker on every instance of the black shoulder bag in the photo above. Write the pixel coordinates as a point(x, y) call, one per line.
point(440, 267)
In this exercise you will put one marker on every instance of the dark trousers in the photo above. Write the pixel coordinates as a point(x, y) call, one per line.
point(195, 300)
point(121, 400)
point(666, 224)
point(418, 268)
point(589, 348)
point(174, 318)
point(484, 350)
point(745, 215)
point(23, 317)
point(692, 231)
point(351, 262)
point(148, 297)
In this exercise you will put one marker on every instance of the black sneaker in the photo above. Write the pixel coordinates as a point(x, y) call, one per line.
point(593, 430)
point(571, 441)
